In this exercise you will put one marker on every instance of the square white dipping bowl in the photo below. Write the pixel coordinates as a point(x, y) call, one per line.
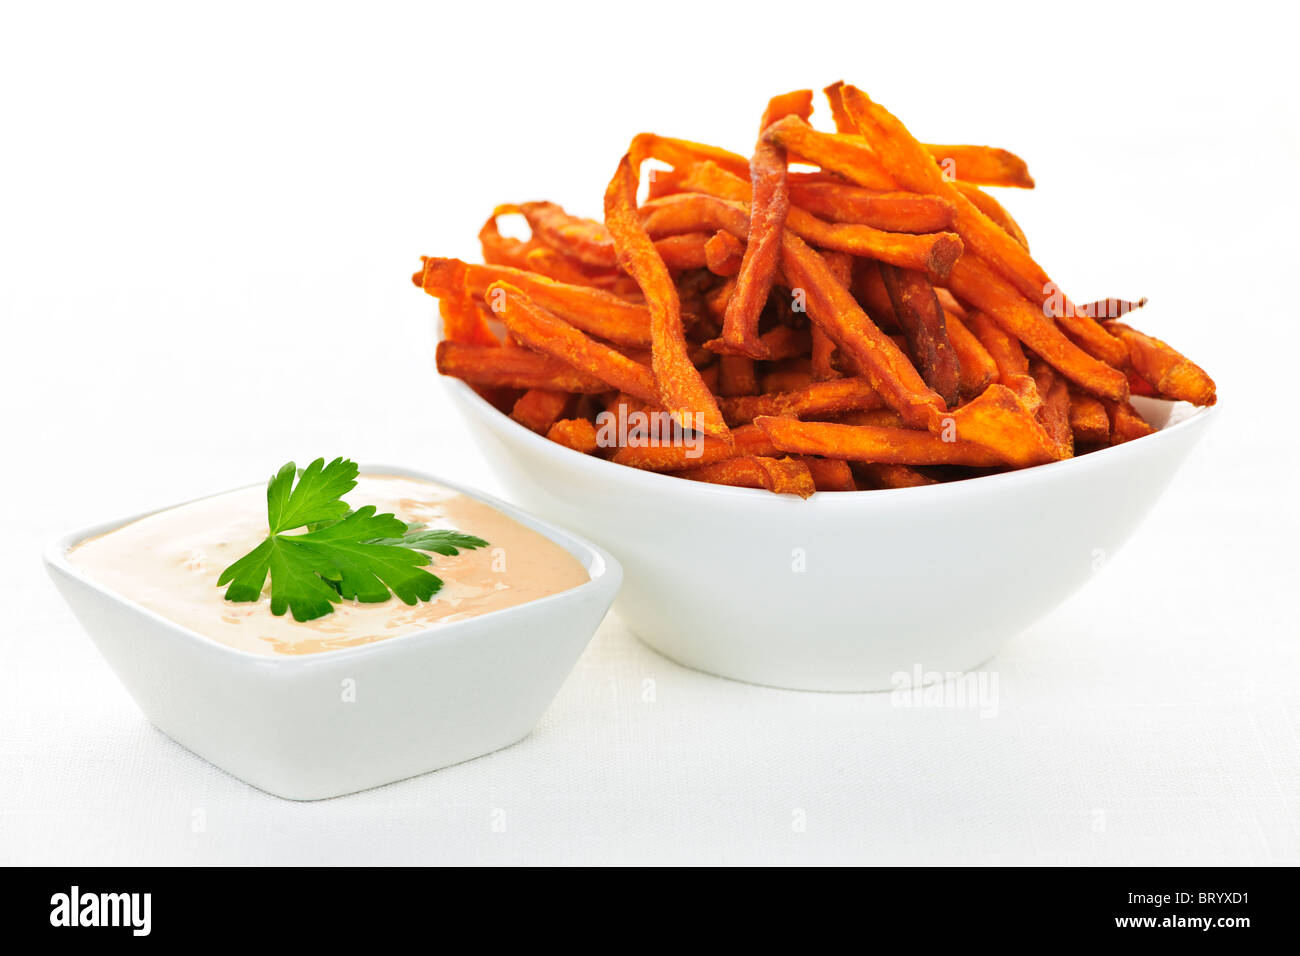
point(847, 590)
point(422, 701)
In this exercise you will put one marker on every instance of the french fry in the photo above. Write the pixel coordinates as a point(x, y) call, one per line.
point(1054, 411)
point(1168, 371)
point(680, 153)
point(736, 376)
point(975, 364)
point(594, 311)
point(551, 264)
point(685, 251)
point(986, 165)
point(539, 408)
point(888, 211)
point(811, 401)
point(585, 240)
point(784, 342)
point(1008, 357)
point(832, 307)
point(914, 168)
point(723, 254)
point(1001, 421)
point(994, 210)
point(976, 164)
point(923, 322)
point(769, 206)
point(823, 356)
point(681, 389)
point(778, 475)
point(1088, 419)
point(1111, 308)
point(851, 158)
point(974, 281)
point(503, 250)
point(576, 433)
point(1126, 423)
point(796, 103)
point(461, 319)
point(669, 456)
point(843, 122)
point(873, 443)
point(933, 253)
point(546, 332)
point(512, 368)
point(830, 474)
point(787, 379)
point(878, 475)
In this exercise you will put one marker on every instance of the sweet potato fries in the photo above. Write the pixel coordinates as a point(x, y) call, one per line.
point(838, 312)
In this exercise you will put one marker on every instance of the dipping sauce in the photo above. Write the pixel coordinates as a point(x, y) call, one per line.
point(169, 562)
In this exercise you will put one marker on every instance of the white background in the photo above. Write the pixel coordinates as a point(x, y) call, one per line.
point(210, 214)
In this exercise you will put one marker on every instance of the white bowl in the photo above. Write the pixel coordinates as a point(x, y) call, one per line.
point(938, 576)
point(423, 700)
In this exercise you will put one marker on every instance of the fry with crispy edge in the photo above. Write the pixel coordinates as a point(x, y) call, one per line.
point(873, 443)
point(681, 390)
point(512, 368)
point(779, 475)
point(546, 332)
point(923, 322)
point(1168, 371)
point(576, 433)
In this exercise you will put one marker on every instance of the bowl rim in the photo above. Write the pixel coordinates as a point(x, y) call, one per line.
point(603, 573)
point(1189, 417)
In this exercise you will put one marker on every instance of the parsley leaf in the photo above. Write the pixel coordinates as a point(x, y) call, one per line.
point(357, 555)
point(437, 540)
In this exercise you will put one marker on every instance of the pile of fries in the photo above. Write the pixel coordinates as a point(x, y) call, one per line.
point(871, 320)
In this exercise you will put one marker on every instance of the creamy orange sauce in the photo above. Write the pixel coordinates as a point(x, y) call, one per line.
point(170, 561)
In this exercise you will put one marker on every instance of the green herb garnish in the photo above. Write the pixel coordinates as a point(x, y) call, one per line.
point(358, 555)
